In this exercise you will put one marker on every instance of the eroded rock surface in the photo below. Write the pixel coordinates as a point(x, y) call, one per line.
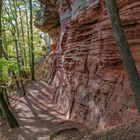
point(91, 85)
point(47, 19)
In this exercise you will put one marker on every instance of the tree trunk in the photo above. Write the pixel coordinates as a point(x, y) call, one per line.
point(124, 49)
point(0, 34)
point(31, 42)
point(12, 122)
point(28, 31)
point(6, 96)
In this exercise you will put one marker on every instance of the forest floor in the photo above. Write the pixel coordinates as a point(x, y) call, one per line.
point(39, 120)
point(36, 115)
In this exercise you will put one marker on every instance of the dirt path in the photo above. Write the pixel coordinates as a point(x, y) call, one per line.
point(36, 115)
point(38, 121)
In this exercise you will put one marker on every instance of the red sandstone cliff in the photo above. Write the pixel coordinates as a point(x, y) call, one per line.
point(90, 84)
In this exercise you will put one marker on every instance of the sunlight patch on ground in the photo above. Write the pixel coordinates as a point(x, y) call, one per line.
point(43, 138)
point(20, 137)
point(33, 91)
point(44, 117)
point(28, 120)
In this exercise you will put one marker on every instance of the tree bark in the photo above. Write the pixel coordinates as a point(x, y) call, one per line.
point(12, 122)
point(6, 96)
point(31, 42)
point(124, 49)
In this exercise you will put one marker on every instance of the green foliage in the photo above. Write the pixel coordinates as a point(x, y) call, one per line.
point(53, 134)
point(26, 68)
point(16, 37)
point(7, 66)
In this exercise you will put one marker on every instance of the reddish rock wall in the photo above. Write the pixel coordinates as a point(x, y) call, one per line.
point(91, 85)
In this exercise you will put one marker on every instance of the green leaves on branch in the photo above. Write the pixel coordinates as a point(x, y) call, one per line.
point(7, 66)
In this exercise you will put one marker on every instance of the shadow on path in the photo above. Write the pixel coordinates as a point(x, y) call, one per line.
point(36, 115)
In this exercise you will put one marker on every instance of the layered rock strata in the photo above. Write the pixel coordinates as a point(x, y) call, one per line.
point(91, 85)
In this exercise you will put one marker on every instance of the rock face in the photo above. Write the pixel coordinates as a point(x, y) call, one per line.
point(47, 19)
point(91, 85)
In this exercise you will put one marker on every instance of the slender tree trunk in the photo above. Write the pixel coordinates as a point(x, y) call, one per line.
point(0, 34)
point(23, 37)
point(15, 77)
point(1, 114)
point(23, 88)
point(18, 43)
point(6, 96)
point(31, 39)
point(124, 49)
point(28, 31)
